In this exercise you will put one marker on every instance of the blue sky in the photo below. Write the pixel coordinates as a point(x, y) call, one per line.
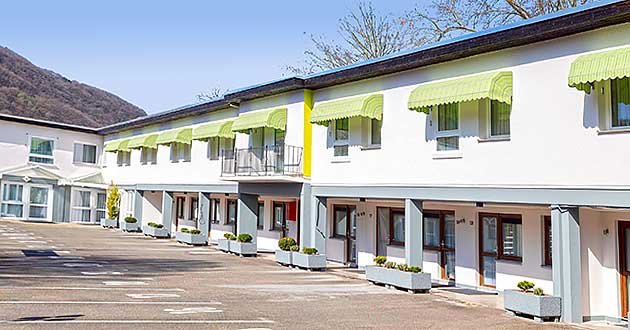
point(160, 54)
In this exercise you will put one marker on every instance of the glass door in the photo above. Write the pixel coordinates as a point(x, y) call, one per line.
point(352, 237)
point(38, 203)
point(439, 236)
point(488, 250)
point(624, 266)
point(180, 203)
point(12, 200)
point(279, 218)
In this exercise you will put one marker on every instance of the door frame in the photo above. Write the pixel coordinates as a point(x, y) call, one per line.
point(442, 250)
point(623, 292)
point(283, 227)
point(346, 238)
point(482, 254)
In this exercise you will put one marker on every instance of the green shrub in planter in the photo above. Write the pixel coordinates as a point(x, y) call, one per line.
point(390, 265)
point(414, 269)
point(403, 267)
point(195, 231)
point(229, 236)
point(309, 250)
point(131, 220)
point(286, 243)
point(244, 238)
point(294, 248)
point(184, 230)
point(539, 291)
point(525, 286)
point(380, 260)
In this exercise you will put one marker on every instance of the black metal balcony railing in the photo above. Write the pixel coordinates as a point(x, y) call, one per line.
point(263, 161)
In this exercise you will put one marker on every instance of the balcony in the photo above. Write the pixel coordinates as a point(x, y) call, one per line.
point(270, 161)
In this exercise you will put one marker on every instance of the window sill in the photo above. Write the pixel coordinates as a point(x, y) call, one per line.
point(447, 155)
point(340, 159)
point(613, 131)
point(494, 139)
point(85, 164)
point(372, 147)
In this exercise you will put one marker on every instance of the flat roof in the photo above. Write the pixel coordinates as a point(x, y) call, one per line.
point(48, 123)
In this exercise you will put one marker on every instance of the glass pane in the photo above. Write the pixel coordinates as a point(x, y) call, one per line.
point(100, 215)
point(89, 154)
point(81, 215)
point(341, 129)
point(399, 227)
point(278, 215)
point(353, 222)
point(42, 147)
point(78, 152)
point(489, 271)
point(41, 160)
point(261, 215)
point(489, 243)
point(432, 230)
point(37, 212)
point(450, 264)
point(620, 91)
point(40, 195)
point(340, 222)
point(447, 143)
point(383, 229)
point(12, 192)
point(231, 211)
point(341, 151)
point(499, 118)
point(278, 137)
point(448, 117)
point(512, 239)
point(101, 201)
point(11, 210)
point(627, 239)
point(81, 198)
point(449, 231)
point(376, 131)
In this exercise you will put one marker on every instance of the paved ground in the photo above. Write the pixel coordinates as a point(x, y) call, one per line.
point(105, 279)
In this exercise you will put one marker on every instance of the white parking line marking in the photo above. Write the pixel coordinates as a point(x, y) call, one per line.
point(101, 273)
point(259, 321)
point(33, 242)
point(152, 295)
point(86, 265)
point(40, 302)
point(193, 310)
point(87, 277)
point(124, 283)
point(204, 252)
point(89, 288)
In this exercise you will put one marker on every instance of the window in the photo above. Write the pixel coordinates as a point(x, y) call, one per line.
point(84, 153)
point(38, 203)
point(448, 127)
point(547, 241)
point(179, 207)
point(511, 246)
point(213, 148)
point(278, 137)
point(194, 209)
point(123, 158)
point(101, 208)
point(180, 152)
point(81, 208)
point(12, 200)
point(279, 216)
point(148, 156)
point(397, 227)
point(215, 210)
point(41, 150)
point(432, 230)
point(620, 102)
point(341, 219)
point(341, 134)
point(499, 119)
point(375, 132)
point(231, 211)
point(261, 216)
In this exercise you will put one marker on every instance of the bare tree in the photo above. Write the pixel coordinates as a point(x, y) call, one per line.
point(363, 34)
point(450, 18)
point(212, 94)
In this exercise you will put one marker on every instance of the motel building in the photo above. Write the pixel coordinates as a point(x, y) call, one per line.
point(489, 159)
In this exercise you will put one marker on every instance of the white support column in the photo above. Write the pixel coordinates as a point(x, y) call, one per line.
point(247, 210)
point(204, 215)
point(318, 224)
point(138, 199)
point(305, 215)
point(413, 232)
point(566, 261)
point(167, 210)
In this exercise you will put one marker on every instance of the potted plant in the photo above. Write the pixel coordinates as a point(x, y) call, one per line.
point(309, 259)
point(113, 198)
point(283, 256)
point(243, 245)
point(130, 224)
point(400, 276)
point(155, 230)
point(224, 243)
point(190, 237)
point(533, 302)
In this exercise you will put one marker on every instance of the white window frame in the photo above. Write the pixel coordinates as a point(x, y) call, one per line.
point(90, 207)
point(604, 89)
point(26, 200)
point(126, 161)
point(340, 143)
point(214, 153)
point(489, 123)
point(369, 137)
point(22, 203)
point(104, 210)
point(97, 157)
point(148, 151)
point(181, 154)
point(449, 133)
point(30, 142)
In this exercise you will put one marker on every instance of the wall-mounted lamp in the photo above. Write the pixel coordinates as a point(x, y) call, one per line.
point(362, 199)
point(606, 232)
point(479, 204)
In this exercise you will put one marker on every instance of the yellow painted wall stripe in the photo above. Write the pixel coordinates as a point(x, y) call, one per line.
point(308, 132)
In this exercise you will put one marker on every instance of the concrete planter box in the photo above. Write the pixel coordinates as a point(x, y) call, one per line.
point(109, 223)
point(284, 257)
point(309, 261)
point(223, 244)
point(192, 239)
point(130, 226)
point(412, 282)
point(540, 307)
point(155, 232)
point(243, 249)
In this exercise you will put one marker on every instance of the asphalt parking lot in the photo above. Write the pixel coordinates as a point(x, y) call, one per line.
point(69, 276)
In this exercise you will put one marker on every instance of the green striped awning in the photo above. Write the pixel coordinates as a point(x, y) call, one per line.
point(369, 106)
point(272, 118)
point(587, 69)
point(222, 129)
point(182, 135)
point(119, 145)
point(145, 141)
point(494, 85)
